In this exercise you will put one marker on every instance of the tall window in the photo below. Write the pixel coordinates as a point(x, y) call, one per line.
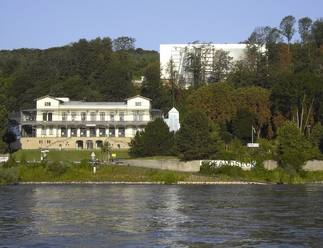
point(64, 116)
point(83, 132)
point(92, 132)
point(43, 131)
point(93, 116)
point(83, 116)
point(50, 116)
point(102, 131)
point(73, 116)
point(141, 116)
point(63, 132)
point(44, 116)
point(102, 116)
point(121, 116)
point(135, 116)
point(111, 116)
point(73, 132)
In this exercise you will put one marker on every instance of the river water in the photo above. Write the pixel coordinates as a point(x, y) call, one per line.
point(161, 216)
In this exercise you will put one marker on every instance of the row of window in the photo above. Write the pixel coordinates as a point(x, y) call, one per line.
point(47, 104)
point(137, 116)
point(103, 132)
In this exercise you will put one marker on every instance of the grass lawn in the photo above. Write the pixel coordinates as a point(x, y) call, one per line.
point(68, 155)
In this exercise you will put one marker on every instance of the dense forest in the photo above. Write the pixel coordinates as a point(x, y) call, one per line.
point(264, 90)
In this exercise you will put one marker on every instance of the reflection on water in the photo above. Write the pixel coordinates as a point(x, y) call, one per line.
point(161, 215)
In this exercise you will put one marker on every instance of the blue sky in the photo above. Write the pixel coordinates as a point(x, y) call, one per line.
point(43, 23)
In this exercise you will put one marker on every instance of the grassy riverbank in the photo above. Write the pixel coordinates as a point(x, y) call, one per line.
point(60, 167)
point(66, 172)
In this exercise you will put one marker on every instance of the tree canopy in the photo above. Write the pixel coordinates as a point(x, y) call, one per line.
point(155, 140)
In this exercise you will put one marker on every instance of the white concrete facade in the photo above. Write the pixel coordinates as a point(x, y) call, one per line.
point(177, 53)
point(173, 120)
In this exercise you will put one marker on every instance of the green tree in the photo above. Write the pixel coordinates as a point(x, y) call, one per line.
point(106, 149)
point(3, 128)
point(155, 140)
point(257, 100)
point(115, 84)
point(304, 29)
point(124, 43)
point(287, 28)
point(153, 88)
point(317, 32)
point(242, 125)
point(9, 137)
point(297, 97)
point(215, 101)
point(294, 150)
point(221, 65)
point(197, 138)
point(315, 135)
point(197, 60)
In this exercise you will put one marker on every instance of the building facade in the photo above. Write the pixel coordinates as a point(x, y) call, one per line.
point(179, 52)
point(58, 123)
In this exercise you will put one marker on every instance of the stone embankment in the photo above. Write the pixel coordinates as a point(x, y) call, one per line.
point(146, 183)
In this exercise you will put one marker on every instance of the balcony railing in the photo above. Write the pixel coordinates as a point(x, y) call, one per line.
point(78, 123)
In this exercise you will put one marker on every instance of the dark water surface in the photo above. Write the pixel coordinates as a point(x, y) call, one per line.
point(161, 216)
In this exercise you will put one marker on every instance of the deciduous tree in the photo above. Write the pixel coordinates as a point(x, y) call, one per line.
point(257, 100)
point(287, 28)
point(294, 150)
point(215, 101)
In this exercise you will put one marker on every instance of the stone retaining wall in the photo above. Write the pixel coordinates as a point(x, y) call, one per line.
point(194, 166)
point(166, 164)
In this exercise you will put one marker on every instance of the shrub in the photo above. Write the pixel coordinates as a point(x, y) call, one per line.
point(57, 168)
point(23, 158)
point(208, 167)
point(10, 163)
point(8, 175)
point(170, 177)
point(231, 171)
point(83, 165)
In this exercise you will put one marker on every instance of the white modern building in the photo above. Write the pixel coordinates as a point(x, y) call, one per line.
point(178, 53)
point(58, 123)
point(173, 120)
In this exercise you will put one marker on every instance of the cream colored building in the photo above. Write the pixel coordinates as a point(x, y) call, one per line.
point(58, 123)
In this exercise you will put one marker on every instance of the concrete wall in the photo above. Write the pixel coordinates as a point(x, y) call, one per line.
point(194, 166)
point(171, 164)
point(313, 165)
point(270, 164)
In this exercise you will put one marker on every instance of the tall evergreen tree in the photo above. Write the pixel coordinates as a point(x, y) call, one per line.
point(197, 138)
point(155, 140)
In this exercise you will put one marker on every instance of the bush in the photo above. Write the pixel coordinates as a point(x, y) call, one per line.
point(57, 168)
point(170, 177)
point(207, 168)
point(8, 175)
point(83, 165)
point(231, 171)
point(10, 163)
point(23, 158)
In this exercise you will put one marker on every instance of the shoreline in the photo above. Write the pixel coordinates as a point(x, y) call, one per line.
point(145, 183)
